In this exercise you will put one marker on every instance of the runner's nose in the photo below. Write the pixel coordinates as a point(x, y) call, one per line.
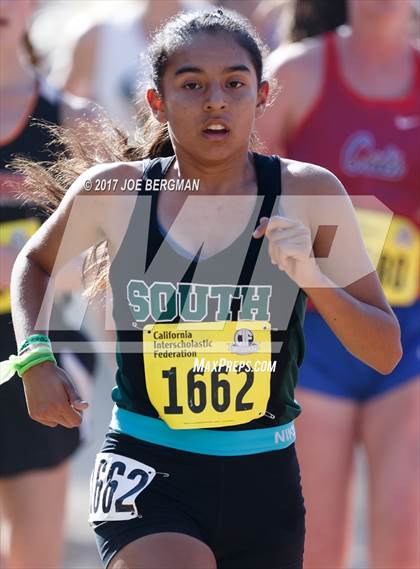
point(215, 99)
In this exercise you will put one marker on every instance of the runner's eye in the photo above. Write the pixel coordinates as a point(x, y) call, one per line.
point(235, 84)
point(191, 85)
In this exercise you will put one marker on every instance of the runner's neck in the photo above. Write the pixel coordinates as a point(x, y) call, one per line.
point(234, 176)
point(376, 46)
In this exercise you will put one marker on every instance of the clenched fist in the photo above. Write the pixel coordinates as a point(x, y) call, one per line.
point(290, 248)
point(51, 397)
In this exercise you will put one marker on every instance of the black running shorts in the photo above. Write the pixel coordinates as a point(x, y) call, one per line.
point(248, 509)
point(25, 444)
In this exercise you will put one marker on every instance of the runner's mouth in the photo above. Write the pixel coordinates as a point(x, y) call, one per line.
point(216, 131)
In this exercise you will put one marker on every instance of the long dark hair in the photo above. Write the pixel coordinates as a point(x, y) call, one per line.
point(100, 141)
point(314, 17)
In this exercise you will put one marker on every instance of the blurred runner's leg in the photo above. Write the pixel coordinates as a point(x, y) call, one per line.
point(393, 452)
point(24, 499)
point(327, 478)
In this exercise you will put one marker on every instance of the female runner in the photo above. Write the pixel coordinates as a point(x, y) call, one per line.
point(351, 103)
point(199, 467)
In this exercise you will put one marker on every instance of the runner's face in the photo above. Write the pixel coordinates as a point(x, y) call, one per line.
point(14, 19)
point(210, 98)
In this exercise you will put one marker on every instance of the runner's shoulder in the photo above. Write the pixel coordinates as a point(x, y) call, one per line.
point(106, 179)
point(303, 178)
point(296, 58)
point(297, 72)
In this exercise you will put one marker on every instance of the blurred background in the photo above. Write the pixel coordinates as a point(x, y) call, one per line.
point(91, 48)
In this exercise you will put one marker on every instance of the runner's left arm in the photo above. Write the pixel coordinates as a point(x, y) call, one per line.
point(319, 245)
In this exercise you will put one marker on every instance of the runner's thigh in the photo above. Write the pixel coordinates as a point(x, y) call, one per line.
point(165, 551)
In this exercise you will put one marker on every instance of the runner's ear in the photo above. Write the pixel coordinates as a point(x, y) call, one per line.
point(262, 97)
point(156, 105)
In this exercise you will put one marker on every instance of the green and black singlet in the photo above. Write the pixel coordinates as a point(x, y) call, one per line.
point(211, 344)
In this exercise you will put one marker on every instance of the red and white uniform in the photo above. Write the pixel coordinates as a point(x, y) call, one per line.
point(372, 146)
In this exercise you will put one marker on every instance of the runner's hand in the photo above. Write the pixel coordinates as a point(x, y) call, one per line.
point(290, 248)
point(51, 397)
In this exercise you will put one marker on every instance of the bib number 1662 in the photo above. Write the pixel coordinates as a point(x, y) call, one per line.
point(197, 396)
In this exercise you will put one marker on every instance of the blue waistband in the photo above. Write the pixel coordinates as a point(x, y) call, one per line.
point(202, 441)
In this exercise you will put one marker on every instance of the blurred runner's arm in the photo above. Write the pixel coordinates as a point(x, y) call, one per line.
point(80, 80)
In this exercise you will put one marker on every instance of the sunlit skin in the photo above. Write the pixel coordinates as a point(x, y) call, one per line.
point(17, 78)
point(14, 18)
point(211, 81)
point(374, 22)
point(382, 9)
point(375, 51)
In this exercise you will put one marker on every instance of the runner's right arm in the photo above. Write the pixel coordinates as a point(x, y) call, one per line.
point(74, 227)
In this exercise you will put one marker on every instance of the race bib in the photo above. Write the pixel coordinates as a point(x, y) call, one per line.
point(397, 260)
point(115, 483)
point(208, 374)
point(15, 234)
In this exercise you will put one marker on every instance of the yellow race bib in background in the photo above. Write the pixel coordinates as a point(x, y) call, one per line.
point(15, 234)
point(396, 260)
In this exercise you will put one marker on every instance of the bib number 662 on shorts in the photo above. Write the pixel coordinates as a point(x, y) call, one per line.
point(115, 483)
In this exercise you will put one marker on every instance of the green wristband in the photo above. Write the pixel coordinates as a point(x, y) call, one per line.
point(34, 339)
point(21, 364)
point(35, 360)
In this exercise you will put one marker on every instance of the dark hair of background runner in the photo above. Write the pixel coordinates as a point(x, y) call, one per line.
point(315, 17)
